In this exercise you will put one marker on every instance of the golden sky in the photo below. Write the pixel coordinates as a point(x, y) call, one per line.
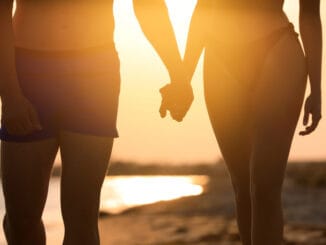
point(144, 136)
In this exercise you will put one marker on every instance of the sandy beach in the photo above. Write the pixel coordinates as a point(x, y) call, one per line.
point(206, 219)
point(209, 218)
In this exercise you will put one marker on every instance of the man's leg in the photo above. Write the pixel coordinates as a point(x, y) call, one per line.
point(26, 169)
point(85, 160)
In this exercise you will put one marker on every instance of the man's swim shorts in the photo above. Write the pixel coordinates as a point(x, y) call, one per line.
point(75, 91)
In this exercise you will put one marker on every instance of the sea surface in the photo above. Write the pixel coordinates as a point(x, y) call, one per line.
point(119, 193)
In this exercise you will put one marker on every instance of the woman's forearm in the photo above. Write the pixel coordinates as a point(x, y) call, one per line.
point(195, 40)
point(311, 34)
point(8, 77)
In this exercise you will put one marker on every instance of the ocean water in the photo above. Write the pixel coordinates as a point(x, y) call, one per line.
point(119, 193)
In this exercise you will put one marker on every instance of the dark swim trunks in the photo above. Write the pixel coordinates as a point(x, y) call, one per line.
point(75, 90)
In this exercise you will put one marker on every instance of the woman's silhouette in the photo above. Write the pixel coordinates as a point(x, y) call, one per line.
point(60, 81)
point(255, 74)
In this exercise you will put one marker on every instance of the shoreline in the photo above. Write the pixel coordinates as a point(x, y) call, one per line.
point(209, 218)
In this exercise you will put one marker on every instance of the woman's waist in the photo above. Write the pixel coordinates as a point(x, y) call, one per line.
point(245, 29)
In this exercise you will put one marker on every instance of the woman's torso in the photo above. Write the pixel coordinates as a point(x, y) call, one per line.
point(63, 24)
point(241, 21)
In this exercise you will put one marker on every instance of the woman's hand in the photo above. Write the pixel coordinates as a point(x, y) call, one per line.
point(312, 107)
point(19, 115)
point(176, 98)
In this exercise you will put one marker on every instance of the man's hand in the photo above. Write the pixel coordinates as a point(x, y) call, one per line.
point(177, 99)
point(19, 115)
point(312, 107)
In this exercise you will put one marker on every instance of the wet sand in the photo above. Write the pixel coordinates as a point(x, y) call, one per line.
point(209, 218)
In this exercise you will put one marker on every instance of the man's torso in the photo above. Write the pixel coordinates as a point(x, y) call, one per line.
point(63, 24)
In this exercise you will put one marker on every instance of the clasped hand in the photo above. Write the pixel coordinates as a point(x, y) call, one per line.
point(177, 99)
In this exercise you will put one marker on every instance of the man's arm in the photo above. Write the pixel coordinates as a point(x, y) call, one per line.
point(8, 79)
point(18, 115)
point(178, 99)
point(311, 33)
point(154, 20)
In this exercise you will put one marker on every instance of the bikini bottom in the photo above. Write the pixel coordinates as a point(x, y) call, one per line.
point(245, 61)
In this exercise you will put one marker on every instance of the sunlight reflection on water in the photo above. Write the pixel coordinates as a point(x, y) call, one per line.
point(121, 193)
point(118, 194)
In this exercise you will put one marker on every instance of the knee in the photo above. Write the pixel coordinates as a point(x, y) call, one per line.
point(241, 190)
point(80, 221)
point(266, 193)
point(23, 229)
point(81, 232)
point(84, 213)
point(20, 222)
point(81, 239)
point(266, 184)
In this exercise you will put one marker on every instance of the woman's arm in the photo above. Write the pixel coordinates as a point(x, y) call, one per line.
point(18, 114)
point(311, 34)
point(178, 97)
point(196, 37)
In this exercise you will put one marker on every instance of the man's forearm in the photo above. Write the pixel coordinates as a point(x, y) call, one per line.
point(8, 78)
point(154, 20)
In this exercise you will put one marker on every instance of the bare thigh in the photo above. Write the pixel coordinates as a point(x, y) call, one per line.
point(256, 123)
point(85, 161)
point(277, 103)
point(229, 112)
point(26, 169)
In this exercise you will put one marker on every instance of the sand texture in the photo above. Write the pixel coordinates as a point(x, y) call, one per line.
point(209, 218)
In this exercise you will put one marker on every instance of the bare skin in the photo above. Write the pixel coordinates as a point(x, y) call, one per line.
point(60, 25)
point(25, 187)
point(254, 127)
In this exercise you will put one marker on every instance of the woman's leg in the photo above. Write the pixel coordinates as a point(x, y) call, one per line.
point(85, 160)
point(277, 100)
point(229, 114)
point(26, 169)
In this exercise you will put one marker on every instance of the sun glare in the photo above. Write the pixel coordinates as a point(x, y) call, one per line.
point(140, 190)
point(180, 13)
point(14, 8)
